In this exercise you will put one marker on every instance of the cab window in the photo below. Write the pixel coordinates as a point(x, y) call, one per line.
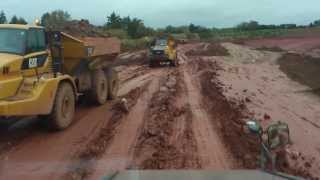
point(36, 40)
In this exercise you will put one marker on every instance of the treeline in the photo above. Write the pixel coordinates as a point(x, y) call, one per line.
point(246, 26)
point(14, 19)
point(254, 25)
point(127, 26)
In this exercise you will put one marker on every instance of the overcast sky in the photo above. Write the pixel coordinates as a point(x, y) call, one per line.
point(160, 13)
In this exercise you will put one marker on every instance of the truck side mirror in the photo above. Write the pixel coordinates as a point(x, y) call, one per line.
point(254, 127)
point(278, 135)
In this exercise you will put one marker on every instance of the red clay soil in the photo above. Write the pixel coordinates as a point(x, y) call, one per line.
point(299, 44)
point(103, 46)
point(213, 49)
point(81, 28)
point(85, 159)
point(230, 117)
point(156, 148)
point(304, 69)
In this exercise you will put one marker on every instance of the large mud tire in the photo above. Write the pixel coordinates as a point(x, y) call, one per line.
point(99, 91)
point(113, 83)
point(63, 110)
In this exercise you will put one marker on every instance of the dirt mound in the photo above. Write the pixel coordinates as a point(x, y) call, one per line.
point(301, 44)
point(213, 49)
point(82, 28)
point(247, 55)
point(228, 116)
point(304, 69)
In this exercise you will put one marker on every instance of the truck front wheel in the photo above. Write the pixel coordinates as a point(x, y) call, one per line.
point(64, 107)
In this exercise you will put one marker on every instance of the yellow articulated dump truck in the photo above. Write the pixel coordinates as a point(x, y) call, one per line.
point(44, 73)
point(163, 51)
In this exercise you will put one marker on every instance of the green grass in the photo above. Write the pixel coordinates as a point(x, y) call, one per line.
point(238, 34)
point(135, 44)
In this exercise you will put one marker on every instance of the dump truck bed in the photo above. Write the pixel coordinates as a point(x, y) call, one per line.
point(89, 47)
point(103, 46)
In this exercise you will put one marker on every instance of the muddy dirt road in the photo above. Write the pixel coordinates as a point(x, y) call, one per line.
point(189, 117)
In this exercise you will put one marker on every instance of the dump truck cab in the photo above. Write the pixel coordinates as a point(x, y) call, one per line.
point(163, 51)
point(43, 73)
point(22, 48)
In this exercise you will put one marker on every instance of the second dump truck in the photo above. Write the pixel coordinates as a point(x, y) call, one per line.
point(163, 51)
point(44, 73)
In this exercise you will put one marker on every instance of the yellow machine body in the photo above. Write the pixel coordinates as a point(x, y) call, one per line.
point(28, 83)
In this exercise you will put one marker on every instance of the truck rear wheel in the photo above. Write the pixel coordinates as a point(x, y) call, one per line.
point(63, 109)
point(113, 83)
point(99, 91)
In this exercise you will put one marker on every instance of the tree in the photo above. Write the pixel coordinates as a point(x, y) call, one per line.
point(251, 25)
point(113, 21)
point(45, 18)
point(288, 26)
point(3, 18)
point(135, 28)
point(125, 22)
point(14, 20)
point(193, 28)
point(316, 23)
point(56, 19)
point(21, 20)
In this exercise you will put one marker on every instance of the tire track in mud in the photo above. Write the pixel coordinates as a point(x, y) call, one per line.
point(227, 118)
point(167, 139)
point(41, 154)
point(85, 160)
point(20, 130)
point(112, 149)
point(119, 154)
point(212, 151)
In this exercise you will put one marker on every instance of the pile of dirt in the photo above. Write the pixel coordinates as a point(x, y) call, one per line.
point(82, 28)
point(156, 148)
point(212, 49)
point(304, 69)
point(85, 159)
point(228, 116)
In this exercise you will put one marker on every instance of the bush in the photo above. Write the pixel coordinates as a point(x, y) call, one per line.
point(135, 44)
point(55, 19)
point(193, 36)
point(119, 33)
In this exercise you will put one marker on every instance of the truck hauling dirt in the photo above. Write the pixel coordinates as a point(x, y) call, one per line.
point(163, 51)
point(45, 73)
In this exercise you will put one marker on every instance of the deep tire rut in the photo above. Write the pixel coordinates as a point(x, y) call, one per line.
point(85, 160)
point(212, 151)
point(167, 139)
